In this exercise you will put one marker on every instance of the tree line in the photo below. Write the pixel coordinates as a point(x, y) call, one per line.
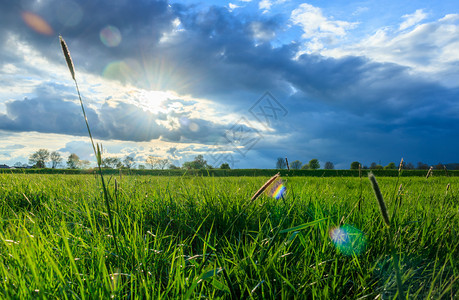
point(42, 157)
point(282, 163)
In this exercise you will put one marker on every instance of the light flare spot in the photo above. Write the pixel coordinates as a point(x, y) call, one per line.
point(37, 23)
point(110, 36)
point(193, 127)
point(348, 240)
point(276, 189)
point(124, 70)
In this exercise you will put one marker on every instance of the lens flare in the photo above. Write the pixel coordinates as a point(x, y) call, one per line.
point(348, 240)
point(37, 23)
point(276, 189)
point(110, 36)
point(124, 70)
point(193, 127)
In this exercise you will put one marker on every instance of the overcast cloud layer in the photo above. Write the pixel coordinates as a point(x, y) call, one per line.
point(178, 78)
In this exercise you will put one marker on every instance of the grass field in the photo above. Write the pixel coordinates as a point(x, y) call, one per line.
point(201, 237)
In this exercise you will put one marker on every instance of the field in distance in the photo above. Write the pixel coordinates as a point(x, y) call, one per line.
point(191, 237)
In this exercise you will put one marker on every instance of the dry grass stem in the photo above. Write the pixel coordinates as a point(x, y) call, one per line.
point(264, 187)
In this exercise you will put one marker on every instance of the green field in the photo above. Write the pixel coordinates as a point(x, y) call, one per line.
point(200, 237)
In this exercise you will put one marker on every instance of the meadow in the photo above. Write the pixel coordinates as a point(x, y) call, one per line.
point(189, 237)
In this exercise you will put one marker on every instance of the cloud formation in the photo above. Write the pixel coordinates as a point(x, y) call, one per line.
point(412, 19)
point(372, 92)
point(317, 28)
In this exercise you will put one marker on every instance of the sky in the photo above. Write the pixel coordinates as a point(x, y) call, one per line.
point(242, 82)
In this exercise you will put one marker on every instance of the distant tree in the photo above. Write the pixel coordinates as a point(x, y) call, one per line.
point(305, 167)
point(314, 164)
point(55, 158)
point(141, 167)
point(296, 165)
point(281, 164)
point(73, 161)
point(355, 165)
point(439, 166)
point(198, 163)
point(422, 166)
point(111, 162)
point(409, 166)
point(151, 161)
point(329, 165)
point(188, 165)
point(390, 166)
point(162, 163)
point(378, 167)
point(84, 164)
point(157, 162)
point(173, 167)
point(18, 164)
point(373, 165)
point(225, 166)
point(129, 162)
point(39, 158)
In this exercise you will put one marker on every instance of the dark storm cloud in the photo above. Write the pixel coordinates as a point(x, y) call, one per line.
point(141, 24)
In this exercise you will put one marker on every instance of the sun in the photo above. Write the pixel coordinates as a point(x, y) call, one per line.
point(153, 101)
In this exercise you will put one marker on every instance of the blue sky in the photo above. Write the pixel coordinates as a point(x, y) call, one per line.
point(240, 81)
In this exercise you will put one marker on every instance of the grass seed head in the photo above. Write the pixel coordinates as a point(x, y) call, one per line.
point(429, 173)
point(68, 58)
point(379, 197)
point(264, 187)
point(400, 166)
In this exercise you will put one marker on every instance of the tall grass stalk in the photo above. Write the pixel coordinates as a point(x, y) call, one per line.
point(387, 221)
point(97, 150)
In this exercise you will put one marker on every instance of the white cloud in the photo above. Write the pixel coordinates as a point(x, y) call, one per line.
point(413, 19)
point(429, 49)
point(360, 10)
point(233, 6)
point(317, 28)
point(266, 5)
point(260, 32)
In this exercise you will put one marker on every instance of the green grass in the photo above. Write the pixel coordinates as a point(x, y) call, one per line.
point(191, 237)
